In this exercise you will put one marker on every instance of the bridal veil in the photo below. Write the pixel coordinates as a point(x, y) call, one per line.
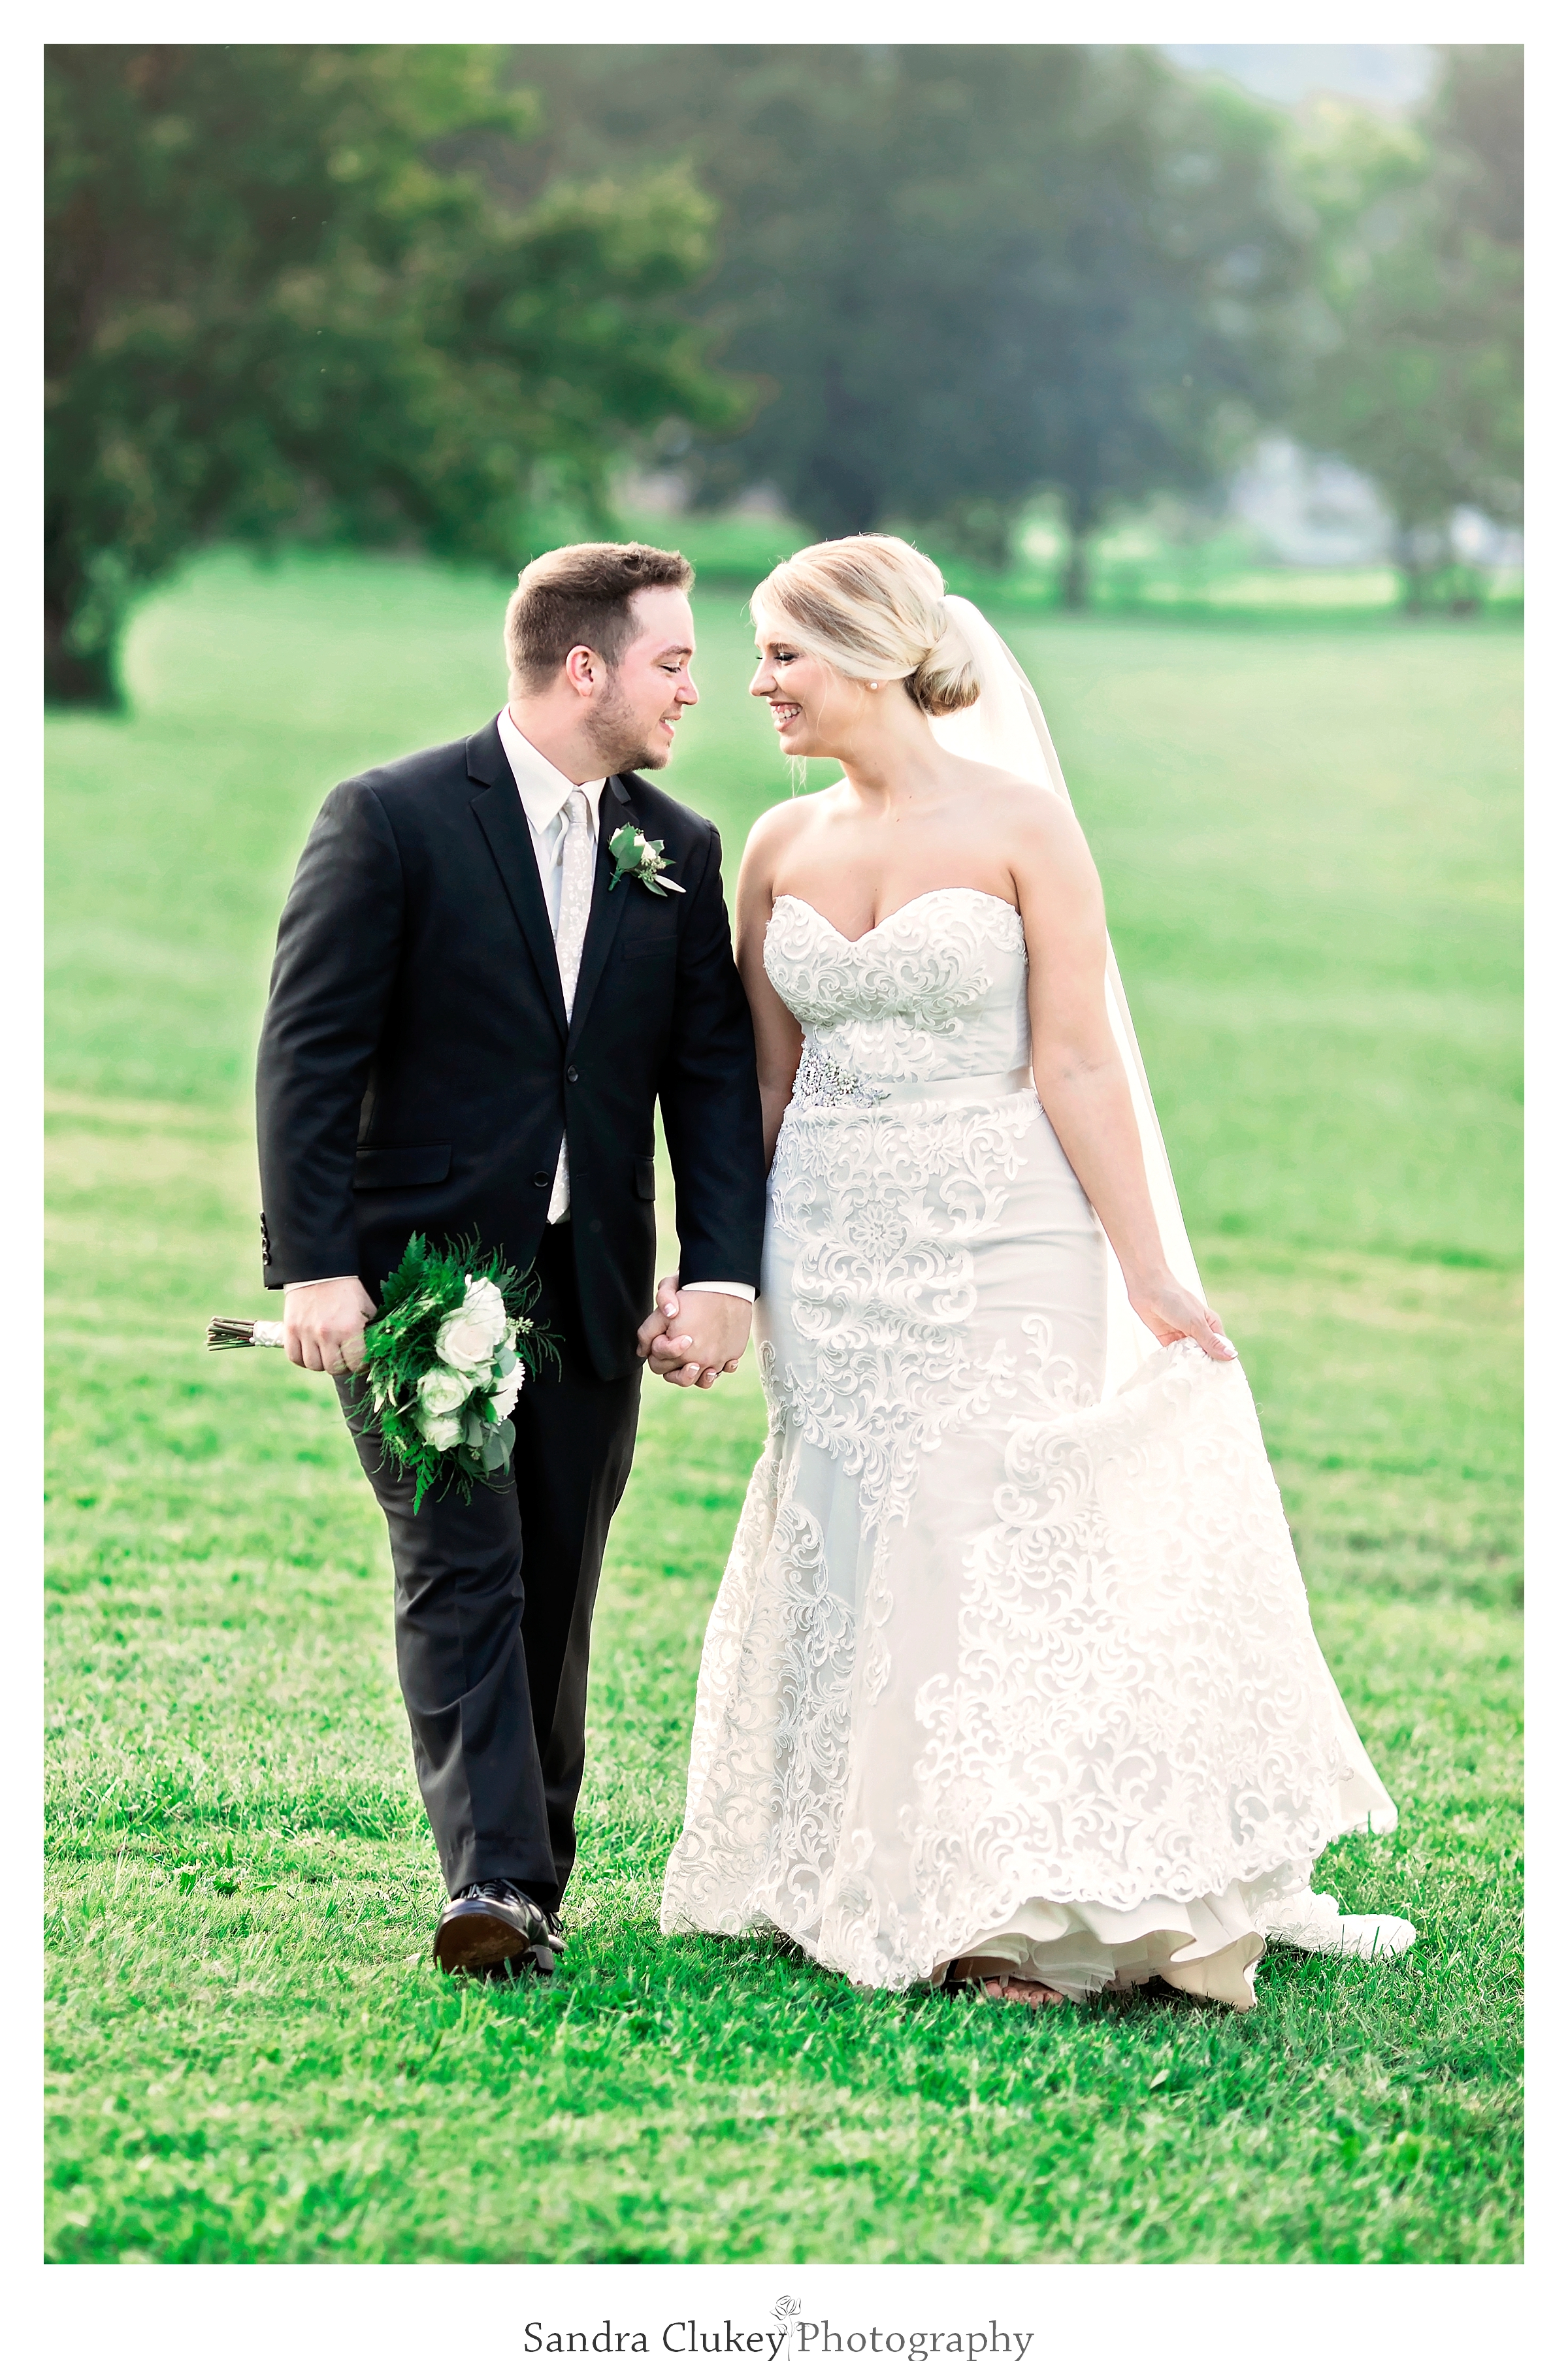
point(1006, 728)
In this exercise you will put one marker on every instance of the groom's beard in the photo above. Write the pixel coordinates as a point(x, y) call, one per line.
point(617, 738)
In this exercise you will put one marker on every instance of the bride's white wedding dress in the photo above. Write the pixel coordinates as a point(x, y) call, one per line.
point(1002, 1664)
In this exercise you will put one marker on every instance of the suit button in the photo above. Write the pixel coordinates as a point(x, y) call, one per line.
point(541, 1180)
point(596, 1227)
point(571, 1073)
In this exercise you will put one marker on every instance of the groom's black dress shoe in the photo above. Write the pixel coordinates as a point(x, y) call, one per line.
point(496, 1927)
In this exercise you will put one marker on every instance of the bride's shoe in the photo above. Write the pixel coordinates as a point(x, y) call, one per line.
point(1314, 1922)
point(1000, 1980)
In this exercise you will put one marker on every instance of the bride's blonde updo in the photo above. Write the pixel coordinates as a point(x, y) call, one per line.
point(874, 609)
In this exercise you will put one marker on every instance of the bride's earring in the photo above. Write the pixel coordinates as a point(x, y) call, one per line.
point(873, 684)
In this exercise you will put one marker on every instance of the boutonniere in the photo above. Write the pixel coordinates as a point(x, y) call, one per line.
point(640, 856)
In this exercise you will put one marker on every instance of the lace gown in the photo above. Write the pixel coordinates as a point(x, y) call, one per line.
point(995, 1667)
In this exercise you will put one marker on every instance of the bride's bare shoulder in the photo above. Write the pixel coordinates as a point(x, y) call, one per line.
point(784, 824)
point(1018, 809)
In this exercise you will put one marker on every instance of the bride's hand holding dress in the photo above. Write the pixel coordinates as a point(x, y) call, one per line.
point(1077, 1066)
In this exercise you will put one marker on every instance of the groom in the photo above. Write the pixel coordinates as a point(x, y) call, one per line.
point(469, 1023)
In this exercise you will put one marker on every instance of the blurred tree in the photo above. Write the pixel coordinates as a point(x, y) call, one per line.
point(963, 274)
point(274, 309)
point(1419, 377)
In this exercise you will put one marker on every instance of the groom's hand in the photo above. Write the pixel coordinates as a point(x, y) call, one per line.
point(323, 1326)
point(694, 1339)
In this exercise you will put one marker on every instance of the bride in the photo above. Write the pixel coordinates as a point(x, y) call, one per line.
point(1011, 1681)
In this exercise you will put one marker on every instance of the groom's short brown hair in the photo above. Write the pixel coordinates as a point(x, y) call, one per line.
point(581, 596)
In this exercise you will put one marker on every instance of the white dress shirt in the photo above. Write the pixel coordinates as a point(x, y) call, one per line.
point(546, 792)
point(543, 791)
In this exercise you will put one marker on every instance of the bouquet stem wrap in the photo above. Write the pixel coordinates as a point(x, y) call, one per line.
point(228, 1335)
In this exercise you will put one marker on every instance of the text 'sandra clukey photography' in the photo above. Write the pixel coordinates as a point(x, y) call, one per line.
point(793, 2336)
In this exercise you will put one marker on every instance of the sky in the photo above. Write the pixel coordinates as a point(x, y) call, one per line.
point(1389, 75)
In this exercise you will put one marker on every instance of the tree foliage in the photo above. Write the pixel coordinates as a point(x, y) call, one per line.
point(274, 307)
point(1419, 377)
point(961, 275)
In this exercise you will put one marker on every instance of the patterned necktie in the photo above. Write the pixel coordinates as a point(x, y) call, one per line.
point(577, 894)
point(571, 926)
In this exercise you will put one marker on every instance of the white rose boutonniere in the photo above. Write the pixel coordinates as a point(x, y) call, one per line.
point(642, 857)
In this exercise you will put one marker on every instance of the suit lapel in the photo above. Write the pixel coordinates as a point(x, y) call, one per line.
point(605, 909)
point(499, 813)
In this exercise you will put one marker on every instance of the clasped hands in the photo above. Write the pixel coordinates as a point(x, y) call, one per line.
point(694, 1339)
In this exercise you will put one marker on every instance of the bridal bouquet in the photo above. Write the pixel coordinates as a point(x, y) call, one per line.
point(445, 1358)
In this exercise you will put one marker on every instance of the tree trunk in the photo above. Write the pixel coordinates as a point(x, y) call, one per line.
point(1418, 552)
point(981, 531)
point(839, 504)
point(1075, 567)
point(75, 675)
point(831, 485)
point(1081, 503)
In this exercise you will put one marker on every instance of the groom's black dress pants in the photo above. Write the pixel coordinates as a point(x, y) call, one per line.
point(494, 1601)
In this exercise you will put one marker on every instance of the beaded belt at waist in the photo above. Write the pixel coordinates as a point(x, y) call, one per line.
point(821, 1082)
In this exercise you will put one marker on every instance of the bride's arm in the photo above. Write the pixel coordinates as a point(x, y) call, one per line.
point(1078, 1071)
point(778, 1035)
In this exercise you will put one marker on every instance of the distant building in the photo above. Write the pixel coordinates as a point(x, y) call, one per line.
point(1309, 510)
point(654, 492)
point(665, 492)
point(1481, 541)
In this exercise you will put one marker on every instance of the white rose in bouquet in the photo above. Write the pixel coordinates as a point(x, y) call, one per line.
point(505, 1391)
point(486, 1307)
point(464, 1343)
point(441, 1434)
point(441, 1391)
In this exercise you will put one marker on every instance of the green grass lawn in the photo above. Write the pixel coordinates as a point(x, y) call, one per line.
point(1311, 849)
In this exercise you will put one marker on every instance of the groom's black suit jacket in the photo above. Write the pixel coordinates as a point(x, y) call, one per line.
point(416, 1069)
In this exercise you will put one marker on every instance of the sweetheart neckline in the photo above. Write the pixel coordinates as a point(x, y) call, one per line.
point(929, 896)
